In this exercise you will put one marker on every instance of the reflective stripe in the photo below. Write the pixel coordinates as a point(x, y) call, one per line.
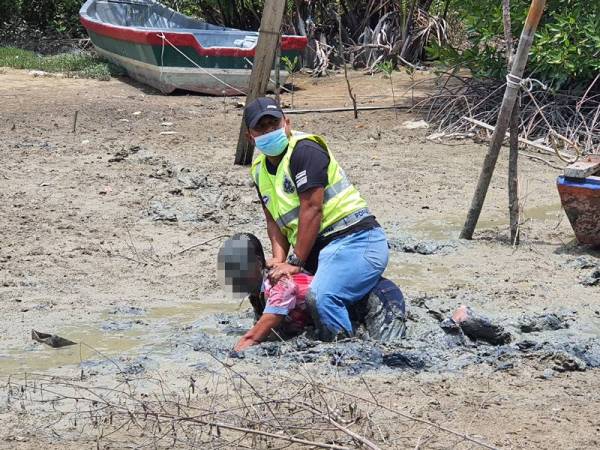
point(336, 189)
point(346, 222)
point(257, 173)
point(330, 192)
point(288, 217)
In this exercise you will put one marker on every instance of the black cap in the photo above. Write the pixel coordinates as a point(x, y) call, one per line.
point(257, 109)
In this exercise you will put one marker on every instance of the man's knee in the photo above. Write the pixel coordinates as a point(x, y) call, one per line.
point(319, 309)
point(385, 317)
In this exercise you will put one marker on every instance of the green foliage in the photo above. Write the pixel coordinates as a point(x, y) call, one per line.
point(291, 64)
point(7, 10)
point(61, 16)
point(72, 64)
point(386, 67)
point(565, 52)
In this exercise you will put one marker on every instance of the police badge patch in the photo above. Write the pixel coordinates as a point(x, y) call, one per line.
point(288, 186)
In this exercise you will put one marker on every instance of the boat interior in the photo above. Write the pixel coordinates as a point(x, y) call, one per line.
point(150, 15)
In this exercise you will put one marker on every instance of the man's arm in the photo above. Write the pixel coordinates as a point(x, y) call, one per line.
point(259, 332)
point(279, 242)
point(311, 213)
point(309, 224)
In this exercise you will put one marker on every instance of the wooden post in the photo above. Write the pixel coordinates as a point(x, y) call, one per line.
point(268, 37)
point(508, 102)
point(513, 175)
point(513, 154)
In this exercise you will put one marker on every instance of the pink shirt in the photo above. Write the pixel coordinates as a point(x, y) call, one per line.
point(288, 298)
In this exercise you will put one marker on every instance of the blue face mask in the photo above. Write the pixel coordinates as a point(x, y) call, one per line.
point(273, 143)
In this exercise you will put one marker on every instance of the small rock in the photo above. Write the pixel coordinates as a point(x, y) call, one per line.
point(136, 113)
point(548, 374)
point(544, 322)
point(166, 124)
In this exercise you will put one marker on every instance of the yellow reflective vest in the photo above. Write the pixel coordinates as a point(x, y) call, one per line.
point(278, 193)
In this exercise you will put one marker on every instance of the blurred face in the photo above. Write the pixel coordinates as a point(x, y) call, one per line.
point(240, 269)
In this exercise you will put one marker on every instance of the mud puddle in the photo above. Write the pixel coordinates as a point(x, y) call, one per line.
point(450, 227)
point(130, 331)
point(420, 276)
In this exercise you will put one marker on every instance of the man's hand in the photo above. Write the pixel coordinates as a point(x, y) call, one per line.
point(259, 332)
point(282, 269)
point(272, 262)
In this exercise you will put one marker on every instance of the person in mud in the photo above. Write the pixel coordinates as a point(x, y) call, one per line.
point(280, 307)
point(310, 205)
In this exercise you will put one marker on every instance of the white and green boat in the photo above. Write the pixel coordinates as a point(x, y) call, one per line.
point(168, 50)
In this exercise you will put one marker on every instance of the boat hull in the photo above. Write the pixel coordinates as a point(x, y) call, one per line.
point(580, 198)
point(166, 79)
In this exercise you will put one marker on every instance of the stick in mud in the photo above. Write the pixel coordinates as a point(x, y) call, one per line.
point(75, 120)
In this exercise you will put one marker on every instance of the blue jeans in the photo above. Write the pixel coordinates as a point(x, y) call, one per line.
point(349, 268)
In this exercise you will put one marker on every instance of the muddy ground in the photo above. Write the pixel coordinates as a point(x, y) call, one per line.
point(109, 237)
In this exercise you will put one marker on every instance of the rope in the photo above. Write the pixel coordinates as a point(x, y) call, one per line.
point(164, 39)
point(514, 81)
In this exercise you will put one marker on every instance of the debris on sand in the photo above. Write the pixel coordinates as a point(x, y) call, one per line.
point(409, 244)
point(124, 153)
point(564, 362)
point(159, 212)
point(192, 181)
point(593, 279)
point(478, 327)
point(415, 124)
point(128, 310)
point(542, 322)
point(51, 340)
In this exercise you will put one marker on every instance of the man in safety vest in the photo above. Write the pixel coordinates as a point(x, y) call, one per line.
point(310, 205)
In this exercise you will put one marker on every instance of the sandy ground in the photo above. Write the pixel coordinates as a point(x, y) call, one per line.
point(129, 210)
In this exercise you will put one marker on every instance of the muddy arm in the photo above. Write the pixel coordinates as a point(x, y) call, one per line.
point(279, 243)
point(259, 332)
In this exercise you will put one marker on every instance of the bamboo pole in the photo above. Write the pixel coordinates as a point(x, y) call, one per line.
point(268, 37)
point(508, 102)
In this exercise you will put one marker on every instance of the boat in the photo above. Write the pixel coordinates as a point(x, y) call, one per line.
point(579, 190)
point(168, 50)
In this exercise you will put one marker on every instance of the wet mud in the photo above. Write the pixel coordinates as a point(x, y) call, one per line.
point(437, 339)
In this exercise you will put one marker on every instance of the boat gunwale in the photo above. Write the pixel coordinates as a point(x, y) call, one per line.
point(178, 39)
